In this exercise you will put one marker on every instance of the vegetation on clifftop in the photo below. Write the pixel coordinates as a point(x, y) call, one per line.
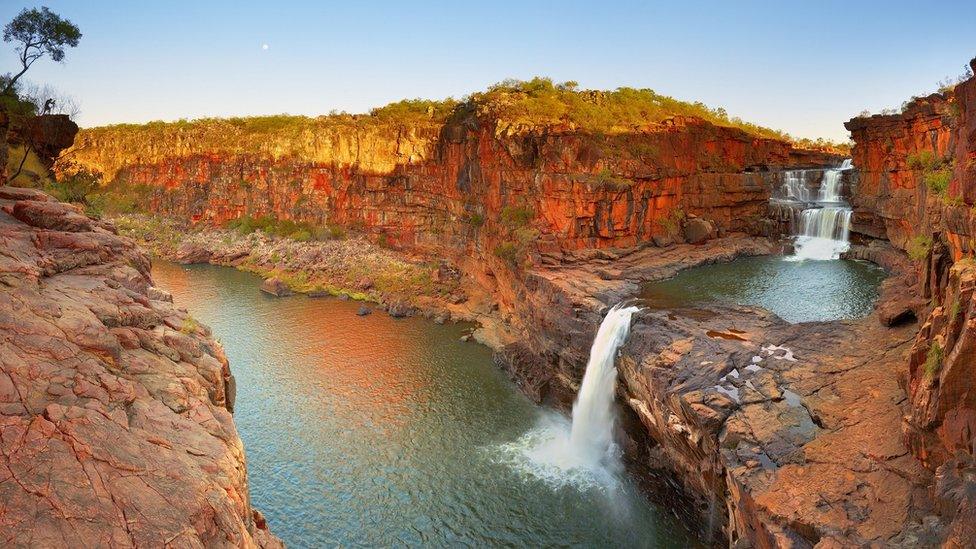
point(510, 107)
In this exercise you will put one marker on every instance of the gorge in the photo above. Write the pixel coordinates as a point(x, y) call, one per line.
point(765, 422)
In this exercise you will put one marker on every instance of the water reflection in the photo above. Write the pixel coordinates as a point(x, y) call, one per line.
point(797, 291)
point(371, 431)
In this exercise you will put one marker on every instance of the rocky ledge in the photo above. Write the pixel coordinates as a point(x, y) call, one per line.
point(115, 406)
point(782, 435)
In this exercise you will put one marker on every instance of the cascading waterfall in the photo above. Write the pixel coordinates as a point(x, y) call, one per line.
point(592, 433)
point(582, 453)
point(795, 186)
point(824, 227)
point(830, 187)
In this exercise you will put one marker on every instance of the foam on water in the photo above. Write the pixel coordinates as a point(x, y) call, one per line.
point(824, 231)
point(580, 453)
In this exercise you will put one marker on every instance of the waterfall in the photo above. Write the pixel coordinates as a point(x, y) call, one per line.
point(795, 186)
point(581, 453)
point(592, 432)
point(824, 227)
point(830, 187)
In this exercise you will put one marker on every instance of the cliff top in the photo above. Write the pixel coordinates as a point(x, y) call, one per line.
point(511, 107)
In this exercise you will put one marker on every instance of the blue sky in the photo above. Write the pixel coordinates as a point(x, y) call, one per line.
point(803, 67)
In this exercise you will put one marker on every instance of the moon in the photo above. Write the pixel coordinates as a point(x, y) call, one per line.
point(265, 47)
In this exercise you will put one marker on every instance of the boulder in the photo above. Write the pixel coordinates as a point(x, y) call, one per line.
point(364, 310)
point(276, 287)
point(698, 230)
point(663, 240)
point(190, 253)
point(898, 302)
point(400, 309)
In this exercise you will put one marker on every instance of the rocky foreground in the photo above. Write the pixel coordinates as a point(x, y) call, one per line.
point(115, 406)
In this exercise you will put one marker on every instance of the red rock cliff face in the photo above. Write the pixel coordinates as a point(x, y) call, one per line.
point(115, 429)
point(447, 187)
point(892, 199)
point(899, 199)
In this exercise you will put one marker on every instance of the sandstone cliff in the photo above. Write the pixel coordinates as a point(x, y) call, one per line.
point(115, 423)
point(451, 183)
point(917, 188)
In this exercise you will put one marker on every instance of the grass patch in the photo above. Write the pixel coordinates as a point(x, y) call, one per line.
point(516, 216)
point(671, 224)
point(607, 180)
point(918, 247)
point(933, 360)
point(189, 325)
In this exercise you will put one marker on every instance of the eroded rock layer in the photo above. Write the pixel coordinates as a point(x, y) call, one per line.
point(457, 185)
point(115, 406)
point(917, 188)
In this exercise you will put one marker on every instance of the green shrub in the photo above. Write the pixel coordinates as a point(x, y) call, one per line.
point(918, 247)
point(286, 228)
point(953, 200)
point(922, 160)
point(189, 325)
point(954, 310)
point(516, 216)
point(509, 252)
point(933, 360)
point(475, 219)
point(301, 235)
point(672, 222)
point(337, 232)
point(938, 180)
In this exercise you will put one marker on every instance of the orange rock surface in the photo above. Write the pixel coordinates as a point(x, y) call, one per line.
point(115, 422)
point(448, 186)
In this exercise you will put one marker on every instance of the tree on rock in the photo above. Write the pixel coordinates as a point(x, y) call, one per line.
point(38, 33)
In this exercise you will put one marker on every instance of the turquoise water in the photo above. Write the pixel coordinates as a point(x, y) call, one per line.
point(371, 431)
point(797, 291)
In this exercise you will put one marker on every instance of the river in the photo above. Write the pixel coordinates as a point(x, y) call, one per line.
point(374, 431)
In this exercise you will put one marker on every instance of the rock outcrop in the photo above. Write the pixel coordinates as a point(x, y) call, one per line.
point(917, 188)
point(456, 186)
point(781, 434)
point(115, 422)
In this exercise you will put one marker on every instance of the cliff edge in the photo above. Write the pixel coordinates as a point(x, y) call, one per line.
point(115, 406)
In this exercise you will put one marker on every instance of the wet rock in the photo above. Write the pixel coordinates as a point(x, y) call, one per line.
point(364, 310)
point(276, 287)
point(400, 309)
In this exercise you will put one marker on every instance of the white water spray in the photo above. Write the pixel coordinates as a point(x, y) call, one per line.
point(824, 229)
point(582, 453)
point(592, 434)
